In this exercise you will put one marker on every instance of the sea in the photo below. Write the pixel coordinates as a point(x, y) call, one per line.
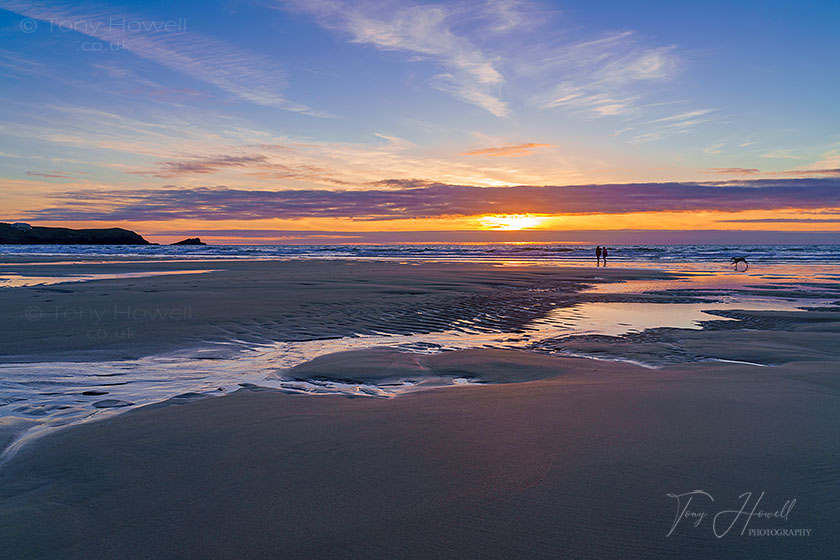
point(641, 254)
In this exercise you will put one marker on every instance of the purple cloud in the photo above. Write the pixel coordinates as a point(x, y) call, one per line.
point(810, 172)
point(439, 200)
point(169, 169)
point(258, 165)
point(733, 170)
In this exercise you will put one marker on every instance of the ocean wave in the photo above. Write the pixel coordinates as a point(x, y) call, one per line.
point(776, 254)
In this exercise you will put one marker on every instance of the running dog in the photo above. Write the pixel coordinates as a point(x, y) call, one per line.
point(736, 260)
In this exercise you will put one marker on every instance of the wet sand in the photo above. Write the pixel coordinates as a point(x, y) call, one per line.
point(258, 302)
point(577, 466)
point(548, 457)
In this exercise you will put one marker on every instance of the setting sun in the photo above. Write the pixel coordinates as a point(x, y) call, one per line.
point(511, 222)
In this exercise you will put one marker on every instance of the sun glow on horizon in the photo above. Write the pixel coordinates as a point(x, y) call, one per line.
point(511, 222)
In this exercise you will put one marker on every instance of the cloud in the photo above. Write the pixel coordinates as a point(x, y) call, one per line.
point(490, 52)
point(597, 76)
point(780, 154)
point(517, 150)
point(425, 31)
point(830, 159)
point(733, 170)
point(596, 104)
point(256, 165)
point(403, 183)
point(194, 166)
point(787, 173)
point(678, 123)
point(50, 174)
point(616, 58)
point(246, 75)
point(440, 200)
point(506, 16)
point(809, 172)
point(687, 116)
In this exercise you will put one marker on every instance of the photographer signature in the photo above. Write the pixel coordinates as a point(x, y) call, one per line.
point(724, 520)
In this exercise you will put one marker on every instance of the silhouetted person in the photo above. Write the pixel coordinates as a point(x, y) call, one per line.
point(604, 254)
point(598, 255)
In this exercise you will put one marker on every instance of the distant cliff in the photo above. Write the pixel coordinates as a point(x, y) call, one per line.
point(24, 234)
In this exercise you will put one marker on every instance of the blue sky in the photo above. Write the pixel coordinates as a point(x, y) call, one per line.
point(326, 95)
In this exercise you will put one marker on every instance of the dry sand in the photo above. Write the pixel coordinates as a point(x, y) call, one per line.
point(551, 458)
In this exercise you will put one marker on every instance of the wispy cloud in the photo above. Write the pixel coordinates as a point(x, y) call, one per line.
point(425, 31)
point(578, 98)
point(243, 74)
point(685, 117)
point(50, 174)
point(809, 172)
point(261, 161)
point(603, 76)
point(439, 200)
point(506, 16)
point(805, 172)
point(244, 156)
point(678, 123)
point(12, 64)
point(829, 159)
point(780, 154)
point(193, 166)
point(733, 170)
point(515, 150)
point(595, 76)
point(714, 149)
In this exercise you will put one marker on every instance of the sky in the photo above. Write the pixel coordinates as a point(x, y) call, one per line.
point(340, 121)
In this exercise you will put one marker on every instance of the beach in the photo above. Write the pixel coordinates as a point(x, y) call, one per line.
point(498, 424)
point(450, 280)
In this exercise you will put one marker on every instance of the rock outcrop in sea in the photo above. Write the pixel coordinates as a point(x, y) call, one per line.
point(190, 241)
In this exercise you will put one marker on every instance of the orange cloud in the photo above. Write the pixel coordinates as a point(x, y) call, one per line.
point(508, 151)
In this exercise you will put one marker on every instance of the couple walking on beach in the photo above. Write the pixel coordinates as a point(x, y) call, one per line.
point(601, 252)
